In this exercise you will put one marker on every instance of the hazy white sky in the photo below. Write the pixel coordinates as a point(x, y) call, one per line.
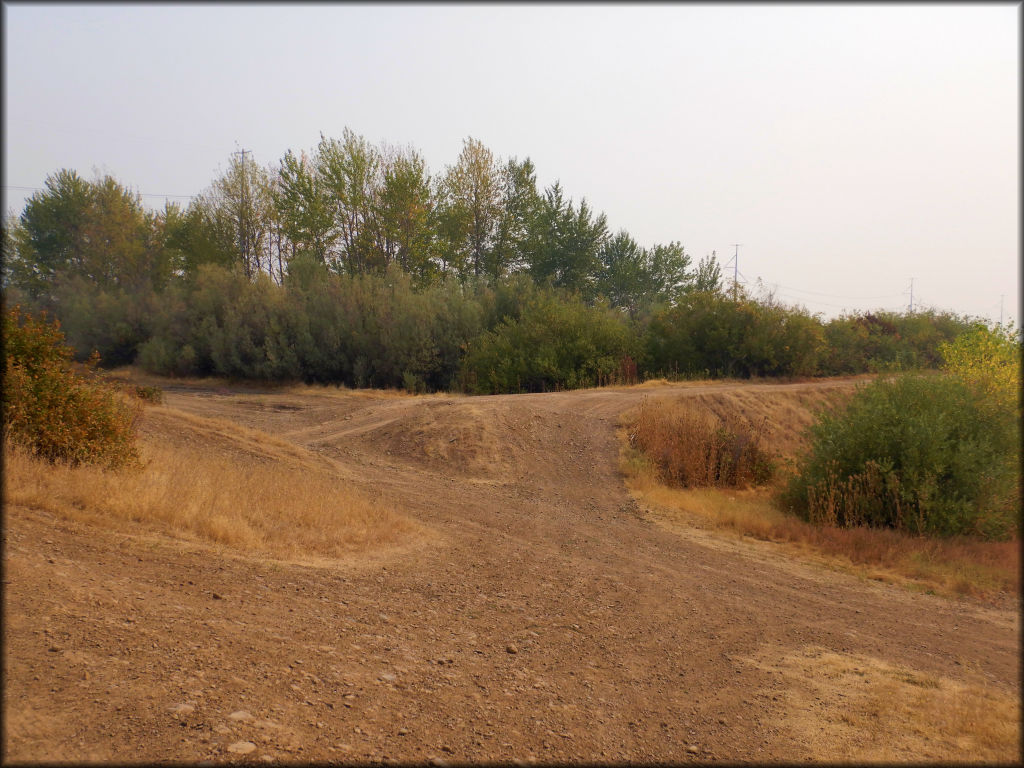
point(848, 148)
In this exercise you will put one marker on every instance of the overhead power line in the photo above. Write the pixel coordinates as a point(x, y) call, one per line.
point(141, 194)
point(816, 302)
point(838, 295)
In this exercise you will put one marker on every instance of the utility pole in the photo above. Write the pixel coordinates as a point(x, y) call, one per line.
point(242, 239)
point(735, 269)
point(911, 295)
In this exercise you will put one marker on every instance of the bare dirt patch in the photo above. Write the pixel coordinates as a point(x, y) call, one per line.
point(544, 617)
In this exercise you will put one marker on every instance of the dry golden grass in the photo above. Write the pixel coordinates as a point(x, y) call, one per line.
point(856, 708)
point(693, 448)
point(950, 567)
point(217, 483)
point(652, 383)
point(171, 426)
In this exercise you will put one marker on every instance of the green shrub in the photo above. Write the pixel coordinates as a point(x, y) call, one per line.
point(54, 412)
point(709, 334)
point(556, 343)
point(988, 360)
point(360, 330)
point(888, 341)
point(916, 453)
point(111, 321)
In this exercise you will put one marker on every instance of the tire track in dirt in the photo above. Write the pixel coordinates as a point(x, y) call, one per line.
point(550, 620)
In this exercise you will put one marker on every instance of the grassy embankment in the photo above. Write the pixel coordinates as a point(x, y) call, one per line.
point(215, 482)
point(775, 423)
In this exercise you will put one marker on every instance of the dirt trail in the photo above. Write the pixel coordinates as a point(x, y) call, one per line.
point(549, 619)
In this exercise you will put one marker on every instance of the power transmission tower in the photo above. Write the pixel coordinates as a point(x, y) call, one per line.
point(735, 269)
point(242, 234)
point(911, 295)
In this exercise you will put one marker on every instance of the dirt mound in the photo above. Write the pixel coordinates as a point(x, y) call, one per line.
point(542, 619)
point(449, 437)
point(783, 415)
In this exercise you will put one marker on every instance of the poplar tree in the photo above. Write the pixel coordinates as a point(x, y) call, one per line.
point(303, 207)
point(406, 207)
point(520, 204)
point(350, 170)
point(471, 207)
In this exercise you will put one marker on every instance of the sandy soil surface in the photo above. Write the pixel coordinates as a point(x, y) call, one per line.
point(547, 619)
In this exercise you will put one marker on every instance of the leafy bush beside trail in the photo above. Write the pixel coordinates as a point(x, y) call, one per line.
point(887, 341)
point(926, 454)
point(554, 344)
point(57, 414)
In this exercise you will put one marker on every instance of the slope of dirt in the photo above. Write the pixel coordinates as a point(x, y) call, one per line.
point(546, 619)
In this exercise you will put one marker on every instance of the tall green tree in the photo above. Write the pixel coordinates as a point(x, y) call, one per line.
point(198, 235)
point(708, 277)
point(471, 196)
point(406, 207)
point(351, 172)
point(566, 243)
point(636, 278)
point(49, 237)
point(120, 240)
point(241, 198)
point(97, 231)
point(303, 207)
point(520, 204)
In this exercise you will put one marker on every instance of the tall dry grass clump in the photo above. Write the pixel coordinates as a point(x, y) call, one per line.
point(693, 448)
point(193, 491)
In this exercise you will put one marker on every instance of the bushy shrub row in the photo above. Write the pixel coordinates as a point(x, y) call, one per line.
point(379, 329)
point(553, 344)
point(362, 330)
point(887, 341)
point(708, 334)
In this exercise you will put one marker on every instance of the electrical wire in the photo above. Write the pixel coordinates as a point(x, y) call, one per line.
point(814, 301)
point(141, 194)
point(840, 296)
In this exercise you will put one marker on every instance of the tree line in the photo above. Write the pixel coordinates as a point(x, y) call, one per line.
point(353, 264)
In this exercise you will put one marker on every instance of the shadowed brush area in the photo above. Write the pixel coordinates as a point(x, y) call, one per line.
point(213, 482)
